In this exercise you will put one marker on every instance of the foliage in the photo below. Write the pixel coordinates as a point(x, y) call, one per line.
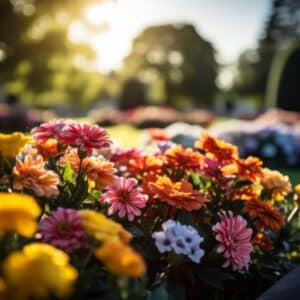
point(254, 65)
point(177, 56)
point(38, 58)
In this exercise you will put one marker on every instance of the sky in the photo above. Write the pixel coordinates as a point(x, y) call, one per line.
point(231, 25)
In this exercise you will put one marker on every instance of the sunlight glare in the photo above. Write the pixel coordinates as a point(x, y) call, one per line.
point(101, 13)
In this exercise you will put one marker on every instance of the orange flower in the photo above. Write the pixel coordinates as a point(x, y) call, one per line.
point(277, 183)
point(247, 169)
point(142, 164)
point(261, 241)
point(217, 149)
point(179, 194)
point(72, 157)
point(266, 215)
point(179, 157)
point(31, 174)
point(48, 149)
point(121, 259)
point(244, 193)
point(157, 134)
point(99, 170)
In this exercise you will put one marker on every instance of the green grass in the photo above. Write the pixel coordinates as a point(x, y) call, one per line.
point(126, 135)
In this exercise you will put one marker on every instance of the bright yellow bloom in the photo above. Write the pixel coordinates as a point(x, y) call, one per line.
point(12, 144)
point(102, 228)
point(18, 213)
point(38, 271)
point(297, 192)
point(121, 259)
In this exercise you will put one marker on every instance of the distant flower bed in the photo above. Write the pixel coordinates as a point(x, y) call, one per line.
point(82, 219)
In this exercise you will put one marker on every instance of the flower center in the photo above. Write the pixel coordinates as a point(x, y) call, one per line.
point(63, 228)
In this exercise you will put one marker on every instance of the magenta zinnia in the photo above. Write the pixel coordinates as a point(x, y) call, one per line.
point(63, 229)
point(234, 239)
point(124, 197)
point(49, 130)
point(85, 136)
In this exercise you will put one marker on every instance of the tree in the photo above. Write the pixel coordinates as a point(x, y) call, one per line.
point(178, 56)
point(36, 56)
point(254, 65)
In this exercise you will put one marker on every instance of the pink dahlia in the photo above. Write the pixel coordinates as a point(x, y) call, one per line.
point(85, 136)
point(124, 197)
point(63, 229)
point(49, 130)
point(235, 240)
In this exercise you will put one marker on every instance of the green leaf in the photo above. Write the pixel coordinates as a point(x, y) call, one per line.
point(214, 277)
point(159, 293)
point(68, 173)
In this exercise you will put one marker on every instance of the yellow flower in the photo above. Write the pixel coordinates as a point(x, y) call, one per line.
point(38, 271)
point(121, 259)
point(297, 192)
point(18, 213)
point(102, 228)
point(277, 183)
point(12, 144)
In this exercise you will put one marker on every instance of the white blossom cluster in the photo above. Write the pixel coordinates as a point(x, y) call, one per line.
point(182, 239)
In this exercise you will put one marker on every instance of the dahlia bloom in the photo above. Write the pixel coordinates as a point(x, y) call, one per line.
point(125, 198)
point(99, 170)
point(179, 157)
point(18, 212)
point(234, 239)
point(85, 136)
point(63, 229)
point(182, 239)
point(217, 149)
point(121, 259)
point(179, 194)
point(38, 271)
point(265, 214)
point(49, 130)
point(31, 174)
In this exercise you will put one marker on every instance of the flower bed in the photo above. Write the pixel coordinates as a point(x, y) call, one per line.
point(80, 219)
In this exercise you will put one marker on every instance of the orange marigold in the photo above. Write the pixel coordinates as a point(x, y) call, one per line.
point(247, 169)
point(99, 170)
point(31, 174)
point(179, 194)
point(48, 149)
point(266, 215)
point(146, 163)
point(217, 149)
point(179, 157)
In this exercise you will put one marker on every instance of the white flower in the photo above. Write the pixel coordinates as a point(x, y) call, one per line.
point(196, 254)
point(182, 239)
point(162, 242)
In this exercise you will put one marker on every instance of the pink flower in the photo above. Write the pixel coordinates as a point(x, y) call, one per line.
point(85, 136)
point(235, 240)
point(63, 229)
point(124, 197)
point(50, 130)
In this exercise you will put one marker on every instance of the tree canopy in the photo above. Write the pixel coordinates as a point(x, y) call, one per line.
point(254, 65)
point(37, 60)
point(176, 58)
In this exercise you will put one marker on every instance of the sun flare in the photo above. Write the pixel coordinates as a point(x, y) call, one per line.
point(109, 43)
